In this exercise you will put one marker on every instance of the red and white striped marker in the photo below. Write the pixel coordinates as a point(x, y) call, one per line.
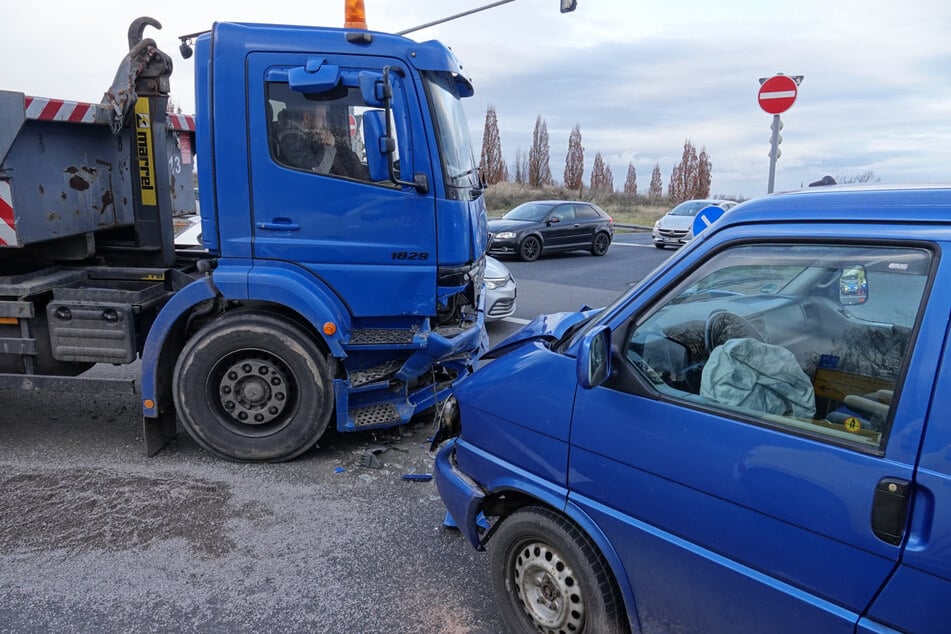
point(43, 109)
point(8, 233)
point(60, 110)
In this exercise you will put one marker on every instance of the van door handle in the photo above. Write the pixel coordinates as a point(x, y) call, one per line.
point(890, 509)
point(279, 224)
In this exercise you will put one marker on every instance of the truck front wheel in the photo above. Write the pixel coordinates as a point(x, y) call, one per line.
point(549, 577)
point(252, 387)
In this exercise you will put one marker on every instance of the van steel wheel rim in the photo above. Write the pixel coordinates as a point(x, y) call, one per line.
point(547, 588)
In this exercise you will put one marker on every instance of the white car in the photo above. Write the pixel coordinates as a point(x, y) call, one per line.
point(499, 290)
point(190, 236)
point(675, 228)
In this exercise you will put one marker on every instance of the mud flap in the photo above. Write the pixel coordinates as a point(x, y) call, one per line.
point(158, 431)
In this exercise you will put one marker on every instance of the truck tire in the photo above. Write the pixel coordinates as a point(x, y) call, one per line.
point(548, 576)
point(253, 387)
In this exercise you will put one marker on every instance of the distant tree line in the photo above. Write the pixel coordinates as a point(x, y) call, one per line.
point(691, 178)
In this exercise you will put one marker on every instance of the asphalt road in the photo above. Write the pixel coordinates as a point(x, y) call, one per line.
point(94, 536)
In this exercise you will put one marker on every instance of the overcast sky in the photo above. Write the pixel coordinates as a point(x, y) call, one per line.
point(638, 77)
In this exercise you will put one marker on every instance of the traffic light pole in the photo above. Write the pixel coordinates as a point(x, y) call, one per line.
point(774, 141)
point(566, 7)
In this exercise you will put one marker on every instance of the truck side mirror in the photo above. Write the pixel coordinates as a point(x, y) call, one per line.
point(378, 145)
point(386, 142)
point(594, 358)
point(371, 88)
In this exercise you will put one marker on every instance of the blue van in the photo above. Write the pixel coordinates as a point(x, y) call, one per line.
point(756, 438)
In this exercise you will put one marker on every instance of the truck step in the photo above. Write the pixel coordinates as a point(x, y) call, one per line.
point(377, 373)
point(382, 414)
point(382, 336)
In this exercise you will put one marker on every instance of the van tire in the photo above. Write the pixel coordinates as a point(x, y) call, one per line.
point(548, 575)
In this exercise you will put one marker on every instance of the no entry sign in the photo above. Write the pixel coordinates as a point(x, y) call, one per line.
point(777, 94)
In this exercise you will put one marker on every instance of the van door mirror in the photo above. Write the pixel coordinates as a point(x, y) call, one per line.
point(313, 77)
point(853, 286)
point(594, 358)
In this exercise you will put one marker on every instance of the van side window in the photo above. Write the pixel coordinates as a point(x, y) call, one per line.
point(811, 339)
point(318, 133)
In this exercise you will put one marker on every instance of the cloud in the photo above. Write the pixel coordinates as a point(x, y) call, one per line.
point(639, 78)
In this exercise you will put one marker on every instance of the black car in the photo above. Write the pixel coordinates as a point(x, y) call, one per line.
point(546, 226)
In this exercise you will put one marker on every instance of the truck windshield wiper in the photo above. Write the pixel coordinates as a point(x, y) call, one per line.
point(465, 173)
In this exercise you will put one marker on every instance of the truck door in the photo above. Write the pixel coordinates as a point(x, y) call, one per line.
point(916, 597)
point(752, 456)
point(314, 203)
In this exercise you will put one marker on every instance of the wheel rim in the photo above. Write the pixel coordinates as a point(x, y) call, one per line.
point(547, 588)
point(254, 391)
point(601, 243)
point(530, 248)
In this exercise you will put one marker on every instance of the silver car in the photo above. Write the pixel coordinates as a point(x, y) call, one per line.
point(675, 228)
point(499, 290)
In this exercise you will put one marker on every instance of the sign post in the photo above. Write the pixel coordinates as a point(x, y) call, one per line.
point(776, 95)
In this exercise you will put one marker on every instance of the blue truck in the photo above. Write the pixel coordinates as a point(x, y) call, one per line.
point(346, 292)
point(755, 438)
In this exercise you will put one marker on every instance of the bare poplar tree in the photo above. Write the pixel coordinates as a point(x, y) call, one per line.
point(574, 161)
point(598, 177)
point(691, 178)
point(704, 174)
point(684, 174)
point(491, 163)
point(521, 167)
point(539, 156)
point(656, 189)
point(630, 184)
point(675, 188)
point(608, 180)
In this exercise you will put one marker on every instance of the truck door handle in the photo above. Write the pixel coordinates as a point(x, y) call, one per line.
point(279, 224)
point(890, 509)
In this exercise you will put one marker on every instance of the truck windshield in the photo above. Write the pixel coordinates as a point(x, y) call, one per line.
point(452, 131)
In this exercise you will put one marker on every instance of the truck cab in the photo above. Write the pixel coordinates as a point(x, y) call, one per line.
point(754, 438)
point(368, 233)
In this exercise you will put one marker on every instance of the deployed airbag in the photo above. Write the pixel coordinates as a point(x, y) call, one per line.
point(758, 376)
